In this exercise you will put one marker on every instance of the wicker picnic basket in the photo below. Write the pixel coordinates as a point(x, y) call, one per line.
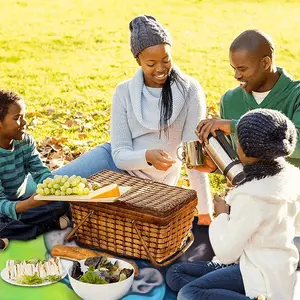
point(151, 221)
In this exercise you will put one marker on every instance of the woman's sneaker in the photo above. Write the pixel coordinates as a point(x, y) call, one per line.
point(64, 222)
point(3, 244)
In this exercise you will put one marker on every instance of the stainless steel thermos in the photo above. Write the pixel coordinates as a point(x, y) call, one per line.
point(226, 159)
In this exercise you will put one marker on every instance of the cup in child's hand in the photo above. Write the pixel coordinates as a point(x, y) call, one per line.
point(191, 154)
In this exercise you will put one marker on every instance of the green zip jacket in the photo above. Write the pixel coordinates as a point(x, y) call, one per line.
point(284, 96)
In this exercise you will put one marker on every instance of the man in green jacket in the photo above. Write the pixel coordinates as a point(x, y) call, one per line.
point(262, 85)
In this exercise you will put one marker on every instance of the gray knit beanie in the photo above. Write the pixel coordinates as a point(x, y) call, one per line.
point(266, 134)
point(146, 32)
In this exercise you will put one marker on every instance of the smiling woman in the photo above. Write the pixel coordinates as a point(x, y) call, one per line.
point(152, 114)
point(156, 62)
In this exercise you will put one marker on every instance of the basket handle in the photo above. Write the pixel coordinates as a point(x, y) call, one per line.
point(71, 236)
point(171, 258)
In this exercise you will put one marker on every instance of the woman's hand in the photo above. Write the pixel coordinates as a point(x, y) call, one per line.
point(220, 206)
point(205, 127)
point(159, 159)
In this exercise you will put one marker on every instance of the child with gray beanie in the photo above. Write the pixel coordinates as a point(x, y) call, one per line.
point(256, 256)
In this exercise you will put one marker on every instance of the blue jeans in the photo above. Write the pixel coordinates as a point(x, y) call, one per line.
point(33, 222)
point(206, 280)
point(89, 163)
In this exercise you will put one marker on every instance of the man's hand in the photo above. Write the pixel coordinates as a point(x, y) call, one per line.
point(205, 127)
point(159, 159)
point(220, 206)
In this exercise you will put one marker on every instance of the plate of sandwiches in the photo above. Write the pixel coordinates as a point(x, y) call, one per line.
point(33, 272)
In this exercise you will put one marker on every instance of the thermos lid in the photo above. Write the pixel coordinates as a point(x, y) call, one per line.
point(239, 178)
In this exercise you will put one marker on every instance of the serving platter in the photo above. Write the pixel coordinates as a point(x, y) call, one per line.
point(85, 198)
point(4, 276)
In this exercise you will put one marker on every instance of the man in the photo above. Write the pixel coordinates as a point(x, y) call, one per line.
point(262, 85)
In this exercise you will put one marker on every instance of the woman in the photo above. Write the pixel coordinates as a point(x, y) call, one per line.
point(152, 114)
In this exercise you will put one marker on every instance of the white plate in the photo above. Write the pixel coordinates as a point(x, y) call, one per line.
point(5, 278)
point(76, 198)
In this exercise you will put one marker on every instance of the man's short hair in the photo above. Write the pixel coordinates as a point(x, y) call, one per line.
point(253, 40)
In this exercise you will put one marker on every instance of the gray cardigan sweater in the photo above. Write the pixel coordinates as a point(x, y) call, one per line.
point(135, 129)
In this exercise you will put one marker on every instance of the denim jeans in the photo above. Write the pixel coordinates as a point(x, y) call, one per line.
point(89, 163)
point(206, 280)
point(33, 222)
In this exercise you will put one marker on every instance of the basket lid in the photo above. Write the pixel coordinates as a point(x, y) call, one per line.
point(146, 196)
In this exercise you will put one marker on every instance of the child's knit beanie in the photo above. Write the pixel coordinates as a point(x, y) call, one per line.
point(266, 134)
point(146, 31)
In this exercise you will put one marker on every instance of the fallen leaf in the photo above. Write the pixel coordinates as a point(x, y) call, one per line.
point(78, 115)
point(82, 135)
point(79, 143)
point(50, 111)
point(69, 123)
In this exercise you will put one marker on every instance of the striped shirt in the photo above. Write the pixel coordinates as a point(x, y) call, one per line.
point(15, 165)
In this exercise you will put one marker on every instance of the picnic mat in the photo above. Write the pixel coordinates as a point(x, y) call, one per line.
point(149, 284)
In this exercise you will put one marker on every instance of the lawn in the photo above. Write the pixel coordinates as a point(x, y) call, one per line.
point(67, 56)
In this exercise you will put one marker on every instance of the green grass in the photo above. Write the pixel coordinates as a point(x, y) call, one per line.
point(68, 55)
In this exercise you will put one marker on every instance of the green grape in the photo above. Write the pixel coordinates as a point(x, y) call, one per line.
point(62, 193)
point(56, 186)
point(80, 192)
point(67, 184)
point(47, 180)
point(40, 186)
point(75, 190)
point(50, 185)
point(81, 185)
point(63, 188)
point(40, 191)
point(86, 191)
point(57, 178)
point(74, 183)
point(72, 177)
point(46, 191)
point(95, 186)
point(57, 193)
point(84, 180)
point(52, 191)
point(69, 191)
point(64, 179)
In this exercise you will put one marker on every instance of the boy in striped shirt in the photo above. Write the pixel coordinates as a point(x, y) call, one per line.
point(22, 217)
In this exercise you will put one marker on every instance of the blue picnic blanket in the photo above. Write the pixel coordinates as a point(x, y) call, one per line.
point(150, 283)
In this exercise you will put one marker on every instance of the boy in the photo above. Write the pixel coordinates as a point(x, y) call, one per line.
point(22, 217)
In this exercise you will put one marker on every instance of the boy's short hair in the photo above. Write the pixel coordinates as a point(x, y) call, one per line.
point(6, 99)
